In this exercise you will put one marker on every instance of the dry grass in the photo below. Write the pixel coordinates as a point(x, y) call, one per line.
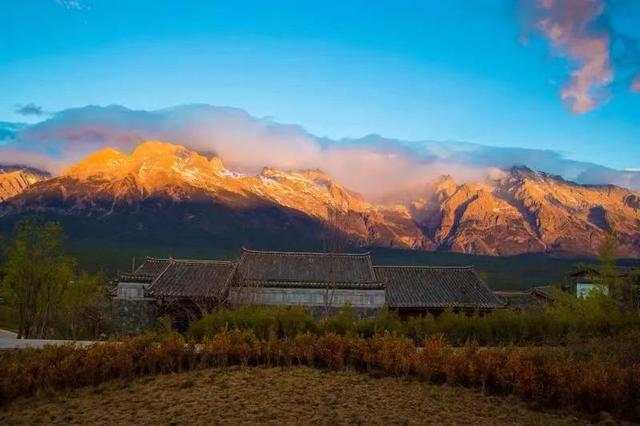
point(297, 395)
point(541, 376)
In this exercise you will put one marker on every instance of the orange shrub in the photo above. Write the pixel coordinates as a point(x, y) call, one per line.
point(304, 349)
point(214, 351)
point(395, 355)
point(245, 348)
point(359, 355)
point(430, 360)
point(330, 351)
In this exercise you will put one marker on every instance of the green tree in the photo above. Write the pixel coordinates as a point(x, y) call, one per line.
point(81, 312)
point(621, 289)
point(609, 276)
point(36, 274)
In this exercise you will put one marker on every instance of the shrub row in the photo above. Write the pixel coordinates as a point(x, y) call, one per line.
point(262, 321)
point(567, 320)
point(551, 378)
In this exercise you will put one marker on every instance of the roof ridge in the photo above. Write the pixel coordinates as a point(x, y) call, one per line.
point(481, 281)
point(228, 280)
point(151, 259)
point(304, 253)
point(157, 277)
point(371, 269)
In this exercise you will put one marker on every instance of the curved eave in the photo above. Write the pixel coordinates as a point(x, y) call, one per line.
point(303, 253)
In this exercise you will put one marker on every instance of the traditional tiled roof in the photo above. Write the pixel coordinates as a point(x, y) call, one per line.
point(544, 292)
point(194, 279)
point(152, 266)
point(304, 269)
point(405, 286)
point(593, 271)
point(522, 299)
point(435, 288)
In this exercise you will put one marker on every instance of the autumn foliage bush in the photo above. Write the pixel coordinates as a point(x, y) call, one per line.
point(548, 377)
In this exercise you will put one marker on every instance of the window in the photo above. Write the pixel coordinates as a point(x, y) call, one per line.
point(583, 289)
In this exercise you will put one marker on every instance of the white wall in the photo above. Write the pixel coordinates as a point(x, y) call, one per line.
point(131, 290)
point(306, 297)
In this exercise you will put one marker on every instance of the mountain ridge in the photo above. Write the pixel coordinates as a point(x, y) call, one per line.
point(14, 179)
point(516, 211)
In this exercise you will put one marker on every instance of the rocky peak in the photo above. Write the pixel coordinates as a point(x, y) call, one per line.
point(215, 163)
point(8, 168)
point(97, 165)
point(155, 148)
point(444, 186)
point(270, 172)
point(317, 175)
point(151, 165)
point(521, 170)
point(524, 173)
point(16, 179)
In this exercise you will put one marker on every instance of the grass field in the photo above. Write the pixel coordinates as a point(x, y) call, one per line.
point(295, 395)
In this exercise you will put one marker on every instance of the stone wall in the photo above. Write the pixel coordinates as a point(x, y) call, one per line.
point(133, 316)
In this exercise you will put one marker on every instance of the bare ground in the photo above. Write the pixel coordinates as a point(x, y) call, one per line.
point(273, 396)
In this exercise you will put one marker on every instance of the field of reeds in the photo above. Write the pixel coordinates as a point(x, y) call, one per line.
point(544, 376)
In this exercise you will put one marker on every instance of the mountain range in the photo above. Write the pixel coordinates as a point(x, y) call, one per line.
point(165, 189)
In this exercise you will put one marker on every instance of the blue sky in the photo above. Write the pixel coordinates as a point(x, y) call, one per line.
point(415, 70)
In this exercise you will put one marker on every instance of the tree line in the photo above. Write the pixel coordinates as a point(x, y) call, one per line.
point(44, 294)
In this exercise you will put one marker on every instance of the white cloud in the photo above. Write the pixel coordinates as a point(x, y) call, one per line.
point(373, 165)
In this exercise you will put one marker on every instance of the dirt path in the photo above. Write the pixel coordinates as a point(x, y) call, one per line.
point(9, 340)
point(273, 396)
point(13, 343)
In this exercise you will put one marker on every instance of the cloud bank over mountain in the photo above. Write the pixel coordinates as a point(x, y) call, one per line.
point(374, 165)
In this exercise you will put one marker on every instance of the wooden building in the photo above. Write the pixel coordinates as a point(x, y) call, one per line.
point(533, 298)
point(310, 279)
point(183, 289)
point(318, 281)
point(136, 285)
point(587, 278)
